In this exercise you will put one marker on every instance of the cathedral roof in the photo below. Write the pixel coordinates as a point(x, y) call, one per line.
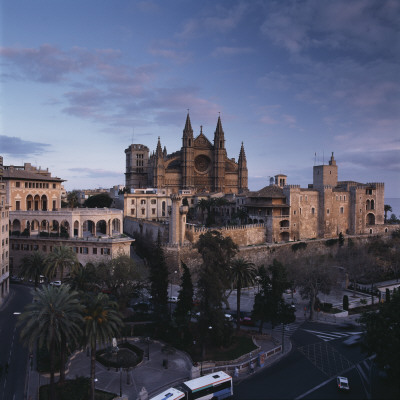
point(268, 191)
point(202, 141)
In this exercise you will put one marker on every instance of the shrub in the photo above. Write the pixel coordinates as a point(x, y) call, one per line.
point(331, 242)
point(387, 295)
point(44, 234)
point(299, 246)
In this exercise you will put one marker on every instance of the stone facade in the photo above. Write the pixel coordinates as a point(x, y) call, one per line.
point(30, 188)
point(4, 239)
point(323, 210)
point(93, 234)
point(89, 249)
point(199, 166)
point(37, 221)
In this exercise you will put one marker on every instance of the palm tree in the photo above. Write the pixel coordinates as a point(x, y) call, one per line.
point(33, 266)
point(387, 208)
point(102, 323)
point(243, 274)
point(82, 278)
point(53, 319)
point(60, 259)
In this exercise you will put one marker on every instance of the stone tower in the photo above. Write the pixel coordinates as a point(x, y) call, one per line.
point(137, 158)
point(177, 220)
point(187, 156)
point(159, 168)
point(325, 175)
point(219, 158)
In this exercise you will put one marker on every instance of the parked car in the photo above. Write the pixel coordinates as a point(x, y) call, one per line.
point(247, 321)
point(173, 299)
point(342, 383)
point(229, 317)
point(55, 283)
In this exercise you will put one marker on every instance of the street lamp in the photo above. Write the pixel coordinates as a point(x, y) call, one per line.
point(204, 352)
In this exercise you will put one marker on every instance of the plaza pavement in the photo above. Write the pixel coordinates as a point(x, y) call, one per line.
point(151, 376)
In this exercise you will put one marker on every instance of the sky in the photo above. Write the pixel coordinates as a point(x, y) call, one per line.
point(293, 80)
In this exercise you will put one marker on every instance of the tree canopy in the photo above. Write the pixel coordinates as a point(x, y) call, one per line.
point(382, 335)
point(98, 200)
point(314, 277)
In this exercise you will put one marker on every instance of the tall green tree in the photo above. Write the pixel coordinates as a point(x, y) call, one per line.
point(217, 253)
point(243, 274)
point(102, 322)
point(159, 281)
point(269, 304)
point(83, 278)
point(382, 336)
point(387, 208)
point(100, 200)
point(33, 265)
point(315, 277)
point(72, 199)
point(184, 306)
point(52, 319)
point(60, 259)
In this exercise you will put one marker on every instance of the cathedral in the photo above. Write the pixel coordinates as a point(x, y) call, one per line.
point(200, 166)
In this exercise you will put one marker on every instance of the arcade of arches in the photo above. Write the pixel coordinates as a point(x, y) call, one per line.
point(76, 223)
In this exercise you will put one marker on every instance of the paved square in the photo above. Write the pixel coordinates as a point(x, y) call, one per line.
point(326, 358)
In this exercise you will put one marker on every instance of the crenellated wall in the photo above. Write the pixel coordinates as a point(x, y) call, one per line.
point(242, 235)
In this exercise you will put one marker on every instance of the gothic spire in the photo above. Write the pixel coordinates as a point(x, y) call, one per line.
point(219, 131)
point(219, 139)
point(159, 152)
point(188, 131)
point(242, 156)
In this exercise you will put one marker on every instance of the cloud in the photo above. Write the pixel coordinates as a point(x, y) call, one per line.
point(388, 160)
point(50, 64)
point(364, 26)
point(221, 20)
point(96, 173)
point(15, 146)
point(103, 89)
point(224, 51)
point(170, 50)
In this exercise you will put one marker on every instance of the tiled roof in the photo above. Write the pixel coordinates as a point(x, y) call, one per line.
point(28, 175)
point(268, 191)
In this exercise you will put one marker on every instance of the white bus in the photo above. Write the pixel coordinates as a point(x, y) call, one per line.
point(170, 394)
point(217, 385)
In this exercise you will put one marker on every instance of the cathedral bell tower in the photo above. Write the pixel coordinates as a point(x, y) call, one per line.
point(159, 168)
point(219, 158)
point(187, 156)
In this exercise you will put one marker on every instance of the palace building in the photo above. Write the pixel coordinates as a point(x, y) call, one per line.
point(199, 166)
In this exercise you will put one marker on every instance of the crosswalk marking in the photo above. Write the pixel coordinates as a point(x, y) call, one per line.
point(327, 336)
point(289, 329)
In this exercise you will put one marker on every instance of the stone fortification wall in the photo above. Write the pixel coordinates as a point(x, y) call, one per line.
point(243, 235)
point(146, 228)
point(260, 254)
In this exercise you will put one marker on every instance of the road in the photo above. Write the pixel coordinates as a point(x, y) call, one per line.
point(13, 354)
point(311, 368)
